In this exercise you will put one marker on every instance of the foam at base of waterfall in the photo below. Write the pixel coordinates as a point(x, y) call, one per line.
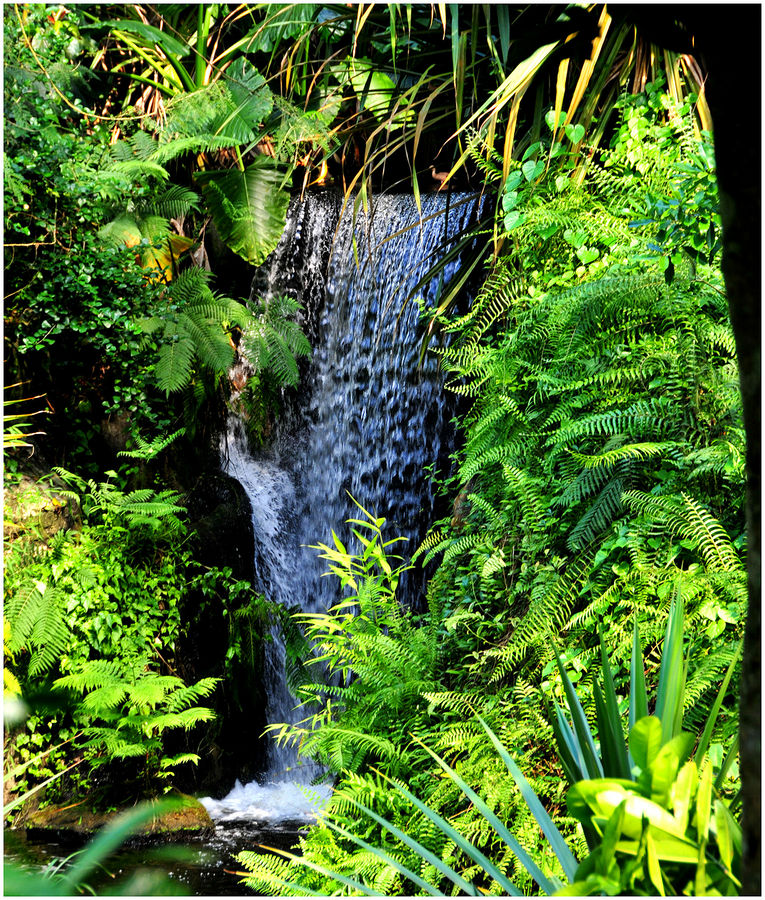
point(272, 803)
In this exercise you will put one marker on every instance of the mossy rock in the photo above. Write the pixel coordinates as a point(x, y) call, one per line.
point(36, 511)
point(186, 816)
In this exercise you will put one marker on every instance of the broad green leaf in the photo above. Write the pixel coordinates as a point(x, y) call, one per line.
point(645, 740)
point(668, 849)
point(704, 802)
point(587, 255)
point(513, 181)
point(251, 103)
point(724, 839)
point(509, 200)
point(580, 798)
point(731, 826)
point(654, 867)
point(664, 767)
point(683, 791)
point(602, 796)
point(513, 219)
point(532, 169)
point(375, 91)
point(249, 208)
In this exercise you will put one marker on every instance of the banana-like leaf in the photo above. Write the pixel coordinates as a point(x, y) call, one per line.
point(249, 208)
point(599, 797)
point(683, 791)
point(252, 102)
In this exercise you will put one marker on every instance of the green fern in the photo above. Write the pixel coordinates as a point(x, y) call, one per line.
point(140, 508)
point(127, 708)
point(37, 626)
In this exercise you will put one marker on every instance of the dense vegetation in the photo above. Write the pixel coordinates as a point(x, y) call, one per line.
point(580, 649)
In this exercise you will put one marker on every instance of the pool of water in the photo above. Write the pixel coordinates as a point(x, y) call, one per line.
point(251, 815)
point(192, 866)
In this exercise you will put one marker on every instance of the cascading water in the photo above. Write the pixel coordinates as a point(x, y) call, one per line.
point(367, 422)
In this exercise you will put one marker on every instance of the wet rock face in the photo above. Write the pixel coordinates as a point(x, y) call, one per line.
point(228, 747)
point(220, 514)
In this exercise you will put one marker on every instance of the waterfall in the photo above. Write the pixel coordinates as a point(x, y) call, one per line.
point(366, 422)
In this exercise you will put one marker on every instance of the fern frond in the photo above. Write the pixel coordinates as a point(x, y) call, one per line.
point(36, 623)
point(173, 368)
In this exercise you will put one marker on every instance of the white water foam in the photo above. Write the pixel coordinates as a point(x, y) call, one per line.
point(273, 803)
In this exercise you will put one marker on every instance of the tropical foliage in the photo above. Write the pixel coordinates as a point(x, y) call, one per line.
point(598, 369)
point(562, 714)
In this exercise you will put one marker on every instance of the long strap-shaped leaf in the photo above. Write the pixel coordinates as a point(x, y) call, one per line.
point(714, 712)
point(523, 857)
point(671, 690)
point(560, 847)
point(431, 889)
point(343, 879)
point(581, 725)
point(108, 839)
point(638, 693)
point(568, 748)
point(612, 743)
point(421, 851)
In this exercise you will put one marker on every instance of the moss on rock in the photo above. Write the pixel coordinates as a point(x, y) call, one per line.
point(186, 814)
